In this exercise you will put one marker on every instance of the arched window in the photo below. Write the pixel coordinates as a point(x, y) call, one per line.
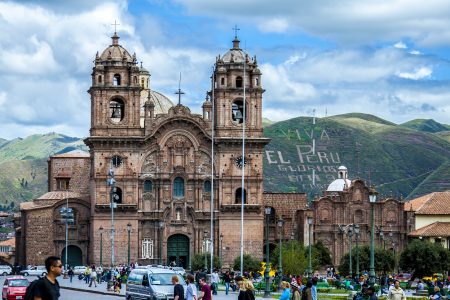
point(237, 111)
point(239, 82)
point(117, 195)
point(207, 186)
point(148, 186)
point(142, 83)
point(135, 80)
point(178, 187)
point(116, 79)
point(257, 82)
point(238, 196)
point(222, 81)
point(116, 110)
point(99, 78)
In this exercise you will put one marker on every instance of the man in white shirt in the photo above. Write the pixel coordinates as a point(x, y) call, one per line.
point(215, 282)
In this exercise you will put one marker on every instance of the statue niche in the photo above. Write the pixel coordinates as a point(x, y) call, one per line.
point(180, 150)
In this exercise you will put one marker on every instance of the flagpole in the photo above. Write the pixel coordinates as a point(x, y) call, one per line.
point(244, 119)
point(212, 172)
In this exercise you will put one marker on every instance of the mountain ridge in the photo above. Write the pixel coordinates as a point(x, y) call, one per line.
point(399, 160)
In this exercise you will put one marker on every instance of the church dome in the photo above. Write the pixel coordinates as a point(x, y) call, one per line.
point(342, 182)
point(162, 103)
point(339, 185)
point(116, 52)
point(235, 54)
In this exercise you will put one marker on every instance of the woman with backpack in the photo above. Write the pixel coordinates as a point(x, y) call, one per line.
point(306, 292)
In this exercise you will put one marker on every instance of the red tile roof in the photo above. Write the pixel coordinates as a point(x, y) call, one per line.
point(10, 242)
point(437, 203)
point(436, 229)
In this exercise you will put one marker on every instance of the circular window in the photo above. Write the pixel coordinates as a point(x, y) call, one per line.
point(116, 161)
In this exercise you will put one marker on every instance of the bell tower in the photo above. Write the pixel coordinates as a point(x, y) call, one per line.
point(237, 98)
point(237, 75)
point(115, 93)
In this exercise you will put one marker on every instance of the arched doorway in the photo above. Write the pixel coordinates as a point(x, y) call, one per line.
point(74, 256)
point(178, 250)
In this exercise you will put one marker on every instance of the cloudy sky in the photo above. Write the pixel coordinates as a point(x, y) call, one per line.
point(386, 57)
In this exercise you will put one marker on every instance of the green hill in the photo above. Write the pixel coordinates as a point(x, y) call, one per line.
point(266, 122)
point(23, 165)
point(426, 125)
point(396, 159)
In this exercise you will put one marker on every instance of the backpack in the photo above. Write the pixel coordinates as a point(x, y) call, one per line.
point(29, 294)
point(304, 294)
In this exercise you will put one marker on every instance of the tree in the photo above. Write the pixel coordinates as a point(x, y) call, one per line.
point(425, 258)
point(384, 260)
point(294, 259)
point(250, 264)
point(321, 254)
point(198, 261)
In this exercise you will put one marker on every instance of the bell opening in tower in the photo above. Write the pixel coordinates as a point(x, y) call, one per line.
point(117, 110)
point(237, 111)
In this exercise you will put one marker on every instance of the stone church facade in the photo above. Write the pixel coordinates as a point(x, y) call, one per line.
point(160, 154)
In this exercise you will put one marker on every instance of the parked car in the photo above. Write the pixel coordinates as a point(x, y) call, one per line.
point(77, 270)
point(5, 270)
point(152, 283)
point(34, 271)
point(14, 288)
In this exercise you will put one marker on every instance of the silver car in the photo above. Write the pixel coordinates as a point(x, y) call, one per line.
point(152, 283)
point(34, 271)
point(5, 270)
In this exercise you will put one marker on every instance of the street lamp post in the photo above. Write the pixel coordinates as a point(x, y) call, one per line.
point(350, 236)
point(67, 217)
point(280, 224)
point(100, 230)
point(112, 196)
point(267, 211)
point(356, 229)
point(129, 244)
point(205, 239)
point(161, 227)
point(372, 198)
point(310, 222)
point(221, 249)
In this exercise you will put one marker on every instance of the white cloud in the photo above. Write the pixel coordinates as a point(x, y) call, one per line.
point(357, 80)
point(400, 45)
point(278, 25)
point(347, 21)
point(419, 73)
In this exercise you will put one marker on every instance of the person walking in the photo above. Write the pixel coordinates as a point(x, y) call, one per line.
point(93, 278)
point(306, 292)
point(205, 291)
point(227, 280)
point(178, 290)
point(314, 288)
point(295, 291)
point(71, 273)
point(191, 289)
point(286, 294)
point(396, 293)
point(214, 282)
point(47, 288)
